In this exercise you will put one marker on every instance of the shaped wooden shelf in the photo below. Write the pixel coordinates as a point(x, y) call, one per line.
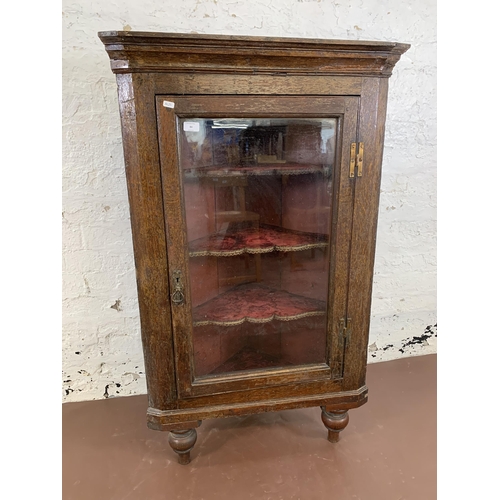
point(251, 240)
point(255, 303)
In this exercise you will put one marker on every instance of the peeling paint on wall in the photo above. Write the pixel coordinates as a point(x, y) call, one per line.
point(410, 346)
point(117, 305)
point(101, 331)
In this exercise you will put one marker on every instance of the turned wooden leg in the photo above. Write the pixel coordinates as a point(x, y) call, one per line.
point(335, 421)
point(182, 443)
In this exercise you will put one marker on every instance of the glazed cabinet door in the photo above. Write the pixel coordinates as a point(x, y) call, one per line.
point(258, 203)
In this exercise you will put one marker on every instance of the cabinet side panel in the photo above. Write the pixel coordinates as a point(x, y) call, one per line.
point(366, 202)
point(137, 111)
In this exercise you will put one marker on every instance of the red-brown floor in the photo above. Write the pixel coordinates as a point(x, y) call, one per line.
point(387, 452)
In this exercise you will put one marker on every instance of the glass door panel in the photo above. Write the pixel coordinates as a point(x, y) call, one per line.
point(258, 198)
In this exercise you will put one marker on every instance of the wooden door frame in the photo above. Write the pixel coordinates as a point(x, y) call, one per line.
point(168, 108)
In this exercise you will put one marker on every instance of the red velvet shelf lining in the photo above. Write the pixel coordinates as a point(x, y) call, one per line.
point(255, 303)
point(264, 239)
point(260, 169)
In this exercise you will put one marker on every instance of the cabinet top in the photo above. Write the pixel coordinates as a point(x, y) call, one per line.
point(134, 51)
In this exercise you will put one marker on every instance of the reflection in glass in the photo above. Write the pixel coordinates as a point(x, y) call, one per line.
point(258, 198)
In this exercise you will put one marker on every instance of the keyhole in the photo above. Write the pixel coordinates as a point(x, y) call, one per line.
point(177, 283)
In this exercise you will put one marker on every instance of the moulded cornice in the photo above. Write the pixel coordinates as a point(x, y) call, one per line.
point(135, 52)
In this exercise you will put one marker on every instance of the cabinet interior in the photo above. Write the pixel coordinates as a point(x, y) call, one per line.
point(258, 206)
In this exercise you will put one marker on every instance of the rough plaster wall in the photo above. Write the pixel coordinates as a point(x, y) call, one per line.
point(102, 354)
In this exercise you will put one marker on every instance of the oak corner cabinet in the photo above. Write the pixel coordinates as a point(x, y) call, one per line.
point(253, 168)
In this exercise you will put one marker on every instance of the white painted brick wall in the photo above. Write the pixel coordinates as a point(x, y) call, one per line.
point(102, 354)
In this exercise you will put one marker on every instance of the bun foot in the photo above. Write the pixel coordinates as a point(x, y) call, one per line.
point(335, 421)
point(182, 443)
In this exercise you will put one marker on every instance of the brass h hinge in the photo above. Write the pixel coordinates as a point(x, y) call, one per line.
point(345, 330)
point(356, 159)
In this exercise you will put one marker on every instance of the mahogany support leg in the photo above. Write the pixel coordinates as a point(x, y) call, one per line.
point(335, 421)
point(182, 443)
